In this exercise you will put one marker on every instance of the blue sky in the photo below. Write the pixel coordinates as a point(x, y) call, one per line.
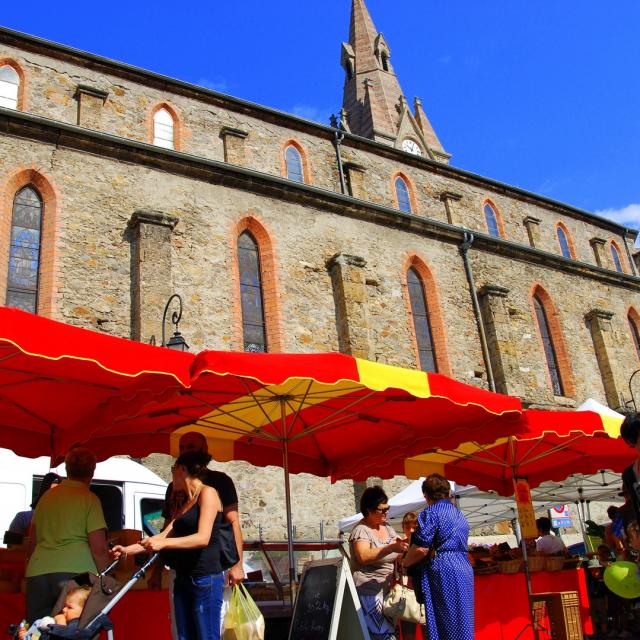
point(542, 95)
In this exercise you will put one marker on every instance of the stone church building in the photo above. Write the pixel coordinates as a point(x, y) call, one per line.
point(120, 187)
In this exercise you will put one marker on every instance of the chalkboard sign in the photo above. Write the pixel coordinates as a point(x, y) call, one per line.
point(315, 601)
point(327, 606)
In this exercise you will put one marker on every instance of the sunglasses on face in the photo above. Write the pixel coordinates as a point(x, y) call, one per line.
point(382, 509)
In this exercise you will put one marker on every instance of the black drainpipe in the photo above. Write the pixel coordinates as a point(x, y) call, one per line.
point(338, 137)
point(632, 265)
point(464, 252)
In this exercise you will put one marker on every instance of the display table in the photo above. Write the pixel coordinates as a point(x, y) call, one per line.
point(501, 607)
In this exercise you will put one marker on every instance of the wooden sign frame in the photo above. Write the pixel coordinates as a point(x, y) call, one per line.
point(347, 618)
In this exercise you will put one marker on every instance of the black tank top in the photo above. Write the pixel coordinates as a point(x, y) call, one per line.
point(194, 562)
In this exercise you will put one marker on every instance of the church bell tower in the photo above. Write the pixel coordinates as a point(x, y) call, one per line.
point(373, 104)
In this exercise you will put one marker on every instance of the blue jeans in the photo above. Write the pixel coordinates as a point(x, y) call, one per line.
point(198, 606)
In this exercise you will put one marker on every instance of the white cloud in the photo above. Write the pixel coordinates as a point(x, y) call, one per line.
point(629, 215)
point(309, 112)
point(219, 84)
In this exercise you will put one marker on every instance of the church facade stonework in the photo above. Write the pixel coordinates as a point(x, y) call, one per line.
point(146, 184)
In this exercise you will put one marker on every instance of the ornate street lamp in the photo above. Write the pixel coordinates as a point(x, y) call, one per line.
point(176, 341)
point(635, 406)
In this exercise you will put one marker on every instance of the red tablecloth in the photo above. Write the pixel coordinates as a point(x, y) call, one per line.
point(501, 607)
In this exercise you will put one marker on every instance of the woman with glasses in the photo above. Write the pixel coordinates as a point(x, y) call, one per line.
point(374, 549)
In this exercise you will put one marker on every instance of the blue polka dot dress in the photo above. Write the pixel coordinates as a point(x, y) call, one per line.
point(448, 578)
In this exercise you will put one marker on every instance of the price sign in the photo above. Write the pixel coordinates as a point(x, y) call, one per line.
point(526, 515)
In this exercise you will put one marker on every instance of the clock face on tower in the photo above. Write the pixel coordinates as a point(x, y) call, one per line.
point(411, 147)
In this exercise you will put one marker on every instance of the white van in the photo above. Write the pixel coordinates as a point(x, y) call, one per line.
point(132, 496)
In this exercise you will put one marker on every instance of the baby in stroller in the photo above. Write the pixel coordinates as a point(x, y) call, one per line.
point(70, 616)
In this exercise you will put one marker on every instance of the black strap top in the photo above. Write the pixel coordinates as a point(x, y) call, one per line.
point(194, 562)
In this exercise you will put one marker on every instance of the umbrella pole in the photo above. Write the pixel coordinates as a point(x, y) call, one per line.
point(287, 498)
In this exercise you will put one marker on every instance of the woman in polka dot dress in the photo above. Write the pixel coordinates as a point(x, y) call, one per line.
point(441, 543)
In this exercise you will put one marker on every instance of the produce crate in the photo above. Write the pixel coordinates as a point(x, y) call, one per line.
point(559, 613)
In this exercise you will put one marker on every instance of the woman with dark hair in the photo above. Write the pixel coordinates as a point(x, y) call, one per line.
point(441, 543)
point(190, 545)
point(374, 548)
point(22, 520)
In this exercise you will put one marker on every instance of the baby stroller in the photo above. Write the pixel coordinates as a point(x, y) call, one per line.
point(105, 594)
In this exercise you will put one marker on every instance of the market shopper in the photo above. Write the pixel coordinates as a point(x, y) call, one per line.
point(409, 525)
point(440, 544)
point(630, 433)
point(548, 544)
point(68, 535)
point(374, 548)
point(190, 545)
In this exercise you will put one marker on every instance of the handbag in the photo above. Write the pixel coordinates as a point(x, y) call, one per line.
point(228, 549)
point(401, 604)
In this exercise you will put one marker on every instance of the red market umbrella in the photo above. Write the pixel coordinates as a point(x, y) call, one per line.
point(328, 414)
point(53, 376)
point(552, 446)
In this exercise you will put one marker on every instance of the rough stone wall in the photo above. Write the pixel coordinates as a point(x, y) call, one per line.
point(97, 197)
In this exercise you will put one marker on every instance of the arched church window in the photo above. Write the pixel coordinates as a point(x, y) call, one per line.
point(563, 241)
point(635, 333)
point(9, 85)
point(293, 161)
point(251, 294)
point(384, 59)
point(402, 195)
point(163, 129)
point(421, 321)
point(615, 255)
point(548, 345)
point(491, 218)
point(24, 251)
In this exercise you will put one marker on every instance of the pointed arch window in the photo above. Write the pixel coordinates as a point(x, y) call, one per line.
point(635, 332)
point(9, 86)
point(548, 346)
point(251, 294)
point(491, 218)
point(384, 59)
point(402, 195)
point(564, 242)
point(24, 250)
point(421, 321)
point(615, 256)
point(293, 161)
point(163, 129)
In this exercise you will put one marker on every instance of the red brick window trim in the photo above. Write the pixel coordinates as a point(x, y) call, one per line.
point(565, 241)
point(12, 72)
point(619, 263)
point(403, 193)
point(164, 127)
point(552, 343)
point(268, 282)
point(493, 220)
point(295, 163)
point(435, 315)
point(47, 267)
point(634, 326)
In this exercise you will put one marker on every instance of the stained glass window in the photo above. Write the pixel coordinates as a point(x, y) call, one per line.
point(492, 220)
point(617, 263)
point(402, 193)
point(163, 129)
point(421, 322)
point(549, 348)
point(24, 251)
point(564, 243)
point(293, 160)
point(251, 299)
point(635, 334)
point(9, 84)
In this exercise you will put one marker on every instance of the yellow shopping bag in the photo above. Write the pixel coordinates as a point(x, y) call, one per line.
point(243, 620)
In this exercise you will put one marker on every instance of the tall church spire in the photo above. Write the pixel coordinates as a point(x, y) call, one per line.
point(373, 99)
